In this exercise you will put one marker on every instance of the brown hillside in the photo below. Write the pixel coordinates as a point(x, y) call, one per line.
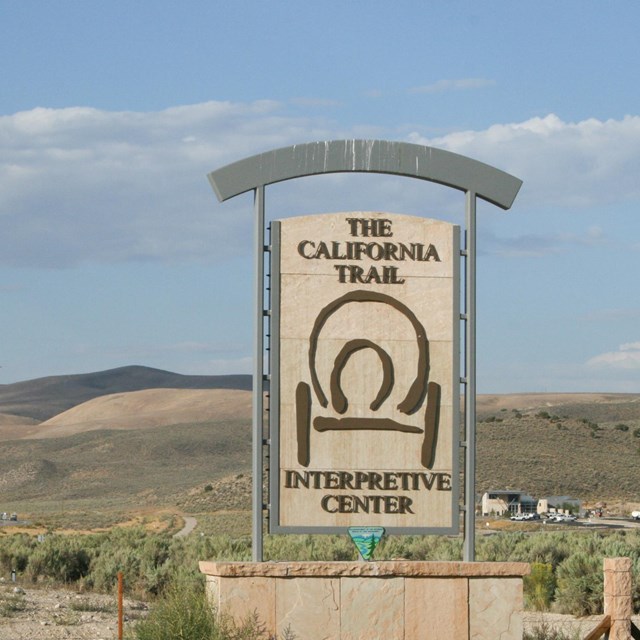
point(44, 398)
point(149, 408)
point(191, 449)
point(15, 427)
point(9, 420)
point(586, 445)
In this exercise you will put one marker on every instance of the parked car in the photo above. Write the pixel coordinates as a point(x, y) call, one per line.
point(14, 517)
point(553, 518)
point(561, 517)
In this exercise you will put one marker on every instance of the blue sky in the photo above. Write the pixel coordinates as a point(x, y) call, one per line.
point(114, 250)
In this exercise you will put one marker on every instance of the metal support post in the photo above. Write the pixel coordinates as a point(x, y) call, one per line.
point(258, 376)
point(469, 551)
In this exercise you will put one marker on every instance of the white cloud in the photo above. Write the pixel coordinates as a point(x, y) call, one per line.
point(561, 163)
point(460, 84)
point(85, 185)
point(81, 184)
point(627, 357)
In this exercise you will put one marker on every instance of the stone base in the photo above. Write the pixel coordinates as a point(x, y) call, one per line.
point(368, 600)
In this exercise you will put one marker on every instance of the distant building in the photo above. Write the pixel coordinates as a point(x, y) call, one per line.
point(559, 504)
point(500, 502)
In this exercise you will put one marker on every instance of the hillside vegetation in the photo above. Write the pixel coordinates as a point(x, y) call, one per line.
point(189, 450)
point(585, 445)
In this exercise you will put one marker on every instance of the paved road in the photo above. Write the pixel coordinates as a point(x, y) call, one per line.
point(189, 525)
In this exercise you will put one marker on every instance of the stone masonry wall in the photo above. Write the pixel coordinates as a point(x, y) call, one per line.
point(367, 600)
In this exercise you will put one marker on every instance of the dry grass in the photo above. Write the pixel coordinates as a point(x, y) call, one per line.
point(573, 447)
point(147, 409)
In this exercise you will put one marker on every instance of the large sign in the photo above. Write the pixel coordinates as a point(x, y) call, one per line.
point(365, 373)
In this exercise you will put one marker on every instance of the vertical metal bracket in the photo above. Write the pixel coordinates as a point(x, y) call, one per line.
point(258, 377)
point(469, 553)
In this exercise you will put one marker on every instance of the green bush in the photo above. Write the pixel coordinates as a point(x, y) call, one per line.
point(61, 559)
point(539, 587)
point(185, 614)
point(15, 552)
point(151, 563)
point(580, 585)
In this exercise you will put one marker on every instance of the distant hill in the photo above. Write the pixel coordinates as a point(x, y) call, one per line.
point(44, 398)
point(150, 408)
point(191, 448)
point(103, 469)
point(583, 444)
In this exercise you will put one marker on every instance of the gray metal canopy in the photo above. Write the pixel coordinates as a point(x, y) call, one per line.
point(366, 156)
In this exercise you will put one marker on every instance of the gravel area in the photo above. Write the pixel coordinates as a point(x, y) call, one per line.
point(52, 614)
point(570, 626)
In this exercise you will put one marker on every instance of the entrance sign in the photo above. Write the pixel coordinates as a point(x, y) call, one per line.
point(365, 393)
point(476, 180)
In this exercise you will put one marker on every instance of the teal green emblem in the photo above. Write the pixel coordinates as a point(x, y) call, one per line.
point(366, 539)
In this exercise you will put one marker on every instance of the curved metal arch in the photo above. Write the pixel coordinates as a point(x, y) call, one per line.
point(366, 156)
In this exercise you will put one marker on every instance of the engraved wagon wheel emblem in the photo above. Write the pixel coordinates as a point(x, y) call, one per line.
point(409, 405)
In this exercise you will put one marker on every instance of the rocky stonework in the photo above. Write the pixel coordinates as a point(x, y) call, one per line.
point(362, 600)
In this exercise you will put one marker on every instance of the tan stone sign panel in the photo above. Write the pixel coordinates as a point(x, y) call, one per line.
point(365, 385)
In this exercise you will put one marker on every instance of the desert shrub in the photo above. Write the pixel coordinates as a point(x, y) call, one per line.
point(547, 548)
point(580, 585)
point(435, 548)
point(543, 414)
point(11, 603)
point(61, 559)
point(622, 427)
point(545, 631)
point(502, 547)
point(185, 613)
point(636, 433)
point(15, 552)
point(310, 548)
point(539, 587)
point(145, 559)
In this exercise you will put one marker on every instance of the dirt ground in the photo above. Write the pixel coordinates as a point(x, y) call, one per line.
point(570, 626)
point(53, 614)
